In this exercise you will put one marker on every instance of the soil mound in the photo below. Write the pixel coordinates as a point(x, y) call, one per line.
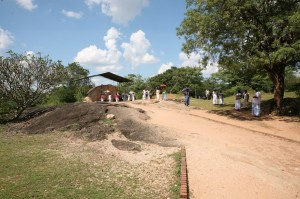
point(89, 121)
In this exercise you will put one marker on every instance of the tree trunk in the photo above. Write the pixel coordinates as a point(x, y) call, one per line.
point(277, 77)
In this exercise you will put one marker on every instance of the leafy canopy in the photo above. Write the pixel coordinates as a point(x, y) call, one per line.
point(25, 80)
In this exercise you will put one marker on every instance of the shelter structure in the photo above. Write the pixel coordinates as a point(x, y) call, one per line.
point(102, 92)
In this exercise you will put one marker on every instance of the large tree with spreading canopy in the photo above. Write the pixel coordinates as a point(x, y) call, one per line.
point(25, 80)
point(252, 33)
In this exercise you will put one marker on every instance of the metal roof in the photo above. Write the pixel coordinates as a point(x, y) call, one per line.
point(110, 76)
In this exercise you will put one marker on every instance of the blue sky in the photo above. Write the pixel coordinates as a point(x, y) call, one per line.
point(119, 36)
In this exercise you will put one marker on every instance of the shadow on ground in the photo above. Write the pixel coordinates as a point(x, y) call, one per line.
point(291, 108)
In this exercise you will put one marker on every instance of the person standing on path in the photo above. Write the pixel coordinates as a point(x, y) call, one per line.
point(117, 97)
point(207, 94)
point(246, 99)
point(215, 97)
point(144, 94)
point(238, 96)
point(256, 103)
point(255, 106)
point(157, 93)
point(221, 98)
point(186, 93)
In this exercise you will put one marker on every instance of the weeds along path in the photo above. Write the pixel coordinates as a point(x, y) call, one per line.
point(228, 158)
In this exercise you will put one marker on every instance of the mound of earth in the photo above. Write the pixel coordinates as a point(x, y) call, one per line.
point(89, 121)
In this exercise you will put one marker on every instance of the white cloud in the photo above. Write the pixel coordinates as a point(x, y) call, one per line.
point(72, 14)
point(6, 39)
point(210, 69)
point(27, 4)
point(136, 52)
point(102, 59)
point(193, 61)
point(30, 53)
point(108, 68)
point(165, 67)
point(121, 11)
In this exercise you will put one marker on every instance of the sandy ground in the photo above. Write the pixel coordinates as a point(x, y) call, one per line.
point(229, 158)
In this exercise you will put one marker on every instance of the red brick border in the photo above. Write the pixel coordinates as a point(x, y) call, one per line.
point(183, 176)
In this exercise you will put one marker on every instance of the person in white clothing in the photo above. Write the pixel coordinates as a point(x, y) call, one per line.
point(215, 97)
point(221, 98)
point(157, 94)
point(258, 95)
point(255, 106)
point(132, 95)
point(238, 97)
point(144, 94)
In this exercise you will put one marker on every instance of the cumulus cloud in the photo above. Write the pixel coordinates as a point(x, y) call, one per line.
point(193, 60)
point(72, 14)
point(102, 59)
point(27, 4)
point(6, 39)
point(210, 69)
point(165, 67)
point(136, 51)
point(120, 11)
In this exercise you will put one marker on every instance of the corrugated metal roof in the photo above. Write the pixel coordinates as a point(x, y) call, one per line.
point(110, 76)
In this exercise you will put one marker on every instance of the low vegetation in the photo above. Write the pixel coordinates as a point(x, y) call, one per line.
point(38, 166)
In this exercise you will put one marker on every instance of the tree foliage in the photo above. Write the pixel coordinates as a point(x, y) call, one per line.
point(256, 33)
point(176, 78)
point(25, 80)
point(72, 89)
point(136, 85)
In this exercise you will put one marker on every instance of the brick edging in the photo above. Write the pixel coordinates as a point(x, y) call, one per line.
point(183, 176)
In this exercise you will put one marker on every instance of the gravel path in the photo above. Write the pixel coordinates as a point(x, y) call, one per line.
point(229, 158)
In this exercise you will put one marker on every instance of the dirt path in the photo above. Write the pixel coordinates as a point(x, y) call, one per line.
point(232, 159)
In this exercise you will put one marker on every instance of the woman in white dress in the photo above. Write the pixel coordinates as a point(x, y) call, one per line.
point(144, 94)
point(255, 106)
point(157, 94)
point(215, 97)
point(238, 97)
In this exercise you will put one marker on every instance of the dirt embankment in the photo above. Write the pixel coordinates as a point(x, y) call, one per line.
point(89, 120)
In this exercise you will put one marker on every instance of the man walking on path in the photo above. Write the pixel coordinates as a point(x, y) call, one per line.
point(186, 93)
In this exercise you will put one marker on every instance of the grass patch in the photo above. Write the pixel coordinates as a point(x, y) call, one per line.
point(32, 167)
point(176, 186)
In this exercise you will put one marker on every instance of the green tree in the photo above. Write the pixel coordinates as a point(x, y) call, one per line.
point(74, 87)
point(25, 80)
point(136, 85)
point(260, 33)
point(176, 78)
point(292, 82)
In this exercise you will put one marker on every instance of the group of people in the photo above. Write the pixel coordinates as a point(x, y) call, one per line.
point(146, 94)
point(160, 94)
point(217, 96)
point(128, 96)
point(125, 97)
point(256, 99)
